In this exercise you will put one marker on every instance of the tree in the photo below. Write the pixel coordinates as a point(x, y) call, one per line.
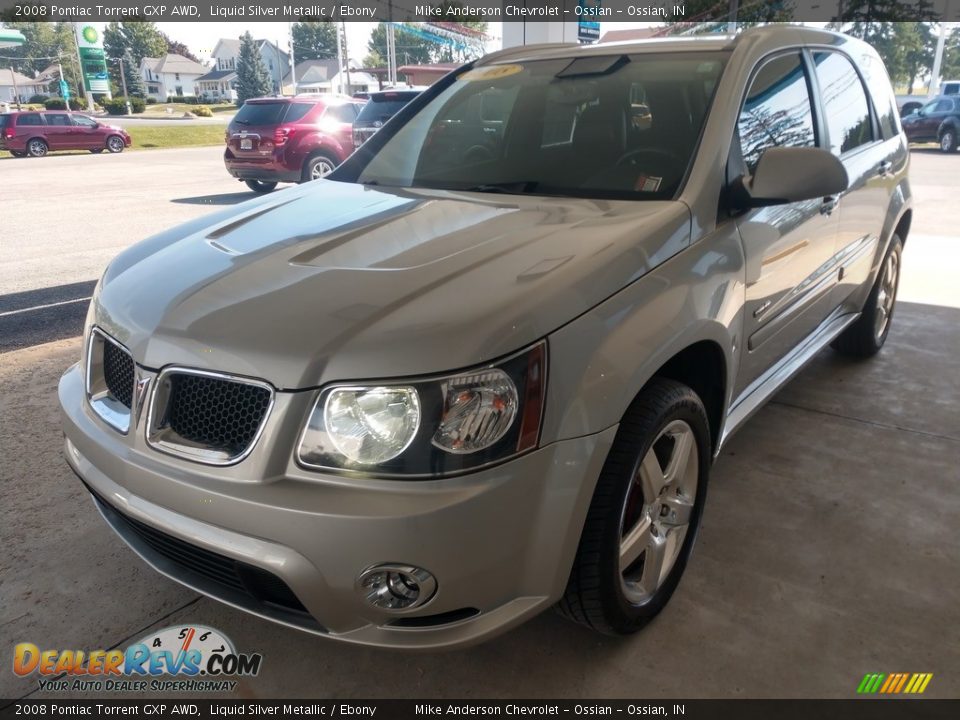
point(412, 48)
point(142, 39)
point(314, 40)
point(134, 80)
point(950, 69)
point(45, 43)
point(178, 48)
point(252, 78)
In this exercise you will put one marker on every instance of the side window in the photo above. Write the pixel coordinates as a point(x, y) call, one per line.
point(83, 121)
point(943, 106)
point(884, 101)
point(341, 113)
point(29, 119)
point(296, 111)
point(777, 110)
point(845, 105)
point(57, 119)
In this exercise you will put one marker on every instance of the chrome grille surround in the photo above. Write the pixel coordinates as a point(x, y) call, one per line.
point(230, 399)
point(110, 380)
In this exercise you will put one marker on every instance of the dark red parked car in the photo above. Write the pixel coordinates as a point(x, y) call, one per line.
point(292, 139)
point(37, 133)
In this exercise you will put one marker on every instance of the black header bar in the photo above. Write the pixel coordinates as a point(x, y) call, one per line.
point(609, 11)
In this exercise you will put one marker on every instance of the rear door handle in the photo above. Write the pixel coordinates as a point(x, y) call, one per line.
point(830, 203)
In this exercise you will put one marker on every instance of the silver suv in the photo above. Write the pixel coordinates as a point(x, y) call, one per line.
point(484, 367)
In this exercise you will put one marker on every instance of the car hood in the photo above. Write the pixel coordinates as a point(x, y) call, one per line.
point(333, 280)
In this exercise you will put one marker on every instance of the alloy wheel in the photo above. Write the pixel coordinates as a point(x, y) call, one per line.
point(115, 144)
point(657, 511)
point(948, 141)
point(37, 148)
point(887, 294)
point(320, 167)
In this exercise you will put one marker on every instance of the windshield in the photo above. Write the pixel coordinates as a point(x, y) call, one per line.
point(383, 108)
point(261, 113)
point(595, 126)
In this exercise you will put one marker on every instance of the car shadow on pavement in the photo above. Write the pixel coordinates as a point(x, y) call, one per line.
point(221, 199)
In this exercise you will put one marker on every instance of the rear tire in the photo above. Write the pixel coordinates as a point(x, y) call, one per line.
point(948, 141)
point(18, 153)
point(646, 509)
point(115, 144)
point(37, 148)
point(260, 186)
point(317, 166)
point(96, 151)
point(868, 334)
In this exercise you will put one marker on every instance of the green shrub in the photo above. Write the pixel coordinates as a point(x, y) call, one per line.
point(116, 106)
point(185, 99)
point(151, 101)
point(58, 104)
point(203, 111)
point(138, 105)
point(38, 99)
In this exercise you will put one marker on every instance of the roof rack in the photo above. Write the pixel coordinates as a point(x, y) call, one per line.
point(522, 50)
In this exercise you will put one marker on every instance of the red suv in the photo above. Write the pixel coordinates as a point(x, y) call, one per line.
point(37, 133)
point(296, 139)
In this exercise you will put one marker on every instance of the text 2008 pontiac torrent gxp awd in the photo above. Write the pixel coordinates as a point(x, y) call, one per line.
point(483, 367)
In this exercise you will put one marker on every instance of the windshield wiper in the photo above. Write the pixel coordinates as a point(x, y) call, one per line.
point(516, 187)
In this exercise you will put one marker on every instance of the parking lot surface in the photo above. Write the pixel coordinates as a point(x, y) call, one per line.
point(828, 548)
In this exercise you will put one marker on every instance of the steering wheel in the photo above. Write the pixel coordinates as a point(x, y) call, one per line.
point(632, 156)
point(477, 154)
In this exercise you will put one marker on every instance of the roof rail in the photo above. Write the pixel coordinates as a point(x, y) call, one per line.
point(521, 50)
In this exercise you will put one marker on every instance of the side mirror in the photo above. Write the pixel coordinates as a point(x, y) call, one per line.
point(785, 175)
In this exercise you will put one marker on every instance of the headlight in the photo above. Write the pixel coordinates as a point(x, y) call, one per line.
point(429, 428)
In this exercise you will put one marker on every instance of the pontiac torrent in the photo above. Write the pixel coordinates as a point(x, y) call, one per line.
point(484, 366)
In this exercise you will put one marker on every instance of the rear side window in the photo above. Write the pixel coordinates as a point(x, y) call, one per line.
point(382, 108)
point(777, 111)
point(29, 119)
point(261, 113)
point(951, 89)
point(884, 101)
point(58, 119)
point(845, 106)
point(342, 113)
point(3, 121)
point(297, 111)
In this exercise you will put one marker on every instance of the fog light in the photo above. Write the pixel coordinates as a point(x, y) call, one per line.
point(396, 587)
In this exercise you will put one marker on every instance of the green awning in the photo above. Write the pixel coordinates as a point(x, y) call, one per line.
point(11, 38)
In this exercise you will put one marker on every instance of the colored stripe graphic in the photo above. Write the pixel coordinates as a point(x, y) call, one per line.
point(894, 683)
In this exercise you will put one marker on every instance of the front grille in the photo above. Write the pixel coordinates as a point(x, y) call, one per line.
point(216, 413)
point(118, 373)
point(262, 590)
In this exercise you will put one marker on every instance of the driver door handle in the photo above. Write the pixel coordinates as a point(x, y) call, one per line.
point(885, 168)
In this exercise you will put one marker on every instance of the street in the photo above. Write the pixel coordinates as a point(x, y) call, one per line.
point(810, 570)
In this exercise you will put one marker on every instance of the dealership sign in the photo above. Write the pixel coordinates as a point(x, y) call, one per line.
point(588, 29)
point(93, 64)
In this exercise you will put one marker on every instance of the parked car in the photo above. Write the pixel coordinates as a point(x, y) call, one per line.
point(35, 133)
point(484, 367)
point(381, 106)
point(911, 103)
point(937, 121)
point(274, 140)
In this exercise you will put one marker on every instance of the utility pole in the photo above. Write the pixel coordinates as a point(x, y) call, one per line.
point(276, 46)
point(16, 90)
point(732, 24)
point(293, 61)
point(346, 55)
point(938, 60)
point(339, 63)
point(123, 81)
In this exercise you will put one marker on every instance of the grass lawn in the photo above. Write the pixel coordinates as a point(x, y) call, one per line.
point(171, 136)
point(179, 109)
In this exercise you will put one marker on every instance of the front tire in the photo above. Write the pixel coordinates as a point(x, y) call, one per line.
point(645, 513)
point(260, 186)
point(948, 141)
point(37, 148)
point(96, 151)
point(868, 334)
point(115, 144)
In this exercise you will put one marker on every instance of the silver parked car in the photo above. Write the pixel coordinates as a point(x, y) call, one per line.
point(484, 367)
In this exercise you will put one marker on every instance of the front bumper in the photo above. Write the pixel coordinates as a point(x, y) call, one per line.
point(500, 541)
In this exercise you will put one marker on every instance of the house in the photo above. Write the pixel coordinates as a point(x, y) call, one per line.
point(424, 75)
point(13, 83)
point(324, 76)
point(171, 75)
point(220, 82)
